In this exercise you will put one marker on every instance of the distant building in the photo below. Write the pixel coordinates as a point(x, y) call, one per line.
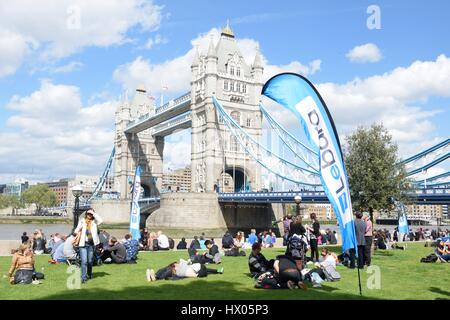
point(425, 212)
point(2, 188)
point(15, 189)
point(61, 189)
point(323, 211)
point(177, 181)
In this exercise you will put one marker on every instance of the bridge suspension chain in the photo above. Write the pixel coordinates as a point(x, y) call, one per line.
point(294, 173)
point(301, 151)
point(104, 176)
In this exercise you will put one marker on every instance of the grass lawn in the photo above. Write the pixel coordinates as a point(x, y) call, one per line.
point(402, 277)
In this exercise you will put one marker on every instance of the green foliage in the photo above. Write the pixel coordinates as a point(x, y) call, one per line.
point(374, 176)
point(7, 201)
point(40, 195)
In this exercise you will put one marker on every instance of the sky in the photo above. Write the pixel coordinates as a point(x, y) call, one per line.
point(65, 66)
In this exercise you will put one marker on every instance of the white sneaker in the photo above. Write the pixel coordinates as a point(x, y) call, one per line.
point(151, 275)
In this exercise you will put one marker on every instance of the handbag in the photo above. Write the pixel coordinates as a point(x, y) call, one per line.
point(76, 241)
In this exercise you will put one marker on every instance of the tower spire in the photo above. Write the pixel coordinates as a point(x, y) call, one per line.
point(196, 61)
point(211, 49)
point(227, 31)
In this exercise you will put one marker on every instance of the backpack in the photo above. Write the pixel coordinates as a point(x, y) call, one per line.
point(331, 273)
point(297, 246)
point(171, 243)
point(430, 258)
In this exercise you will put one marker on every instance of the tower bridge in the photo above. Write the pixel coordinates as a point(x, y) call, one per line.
point(224, 112)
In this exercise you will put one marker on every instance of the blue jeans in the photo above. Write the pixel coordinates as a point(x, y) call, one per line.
point(87, 255)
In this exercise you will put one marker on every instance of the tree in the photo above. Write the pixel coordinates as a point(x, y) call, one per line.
point(40, 195)
point(10, 201)
point(375, 177)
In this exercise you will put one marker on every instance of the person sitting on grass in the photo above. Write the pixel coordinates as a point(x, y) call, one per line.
point(328, 258)
point(58, 256)
point(182, 269)
point(267, 240)
point(23, 266)
point(195, 244)
point(252, 238)
point(38, 243)
point(68, 248)
point(227, 241)
point(182, 245)
point(131, 247)
point(202, 241)
point(443, 251)
point(163, 241)
point(257, 263)
point(213, 254)
point(115, 252)
point(286, 274)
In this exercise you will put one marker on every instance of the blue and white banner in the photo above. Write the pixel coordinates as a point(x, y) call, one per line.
point(297, 94)
point(402, 219)
point(135, 215)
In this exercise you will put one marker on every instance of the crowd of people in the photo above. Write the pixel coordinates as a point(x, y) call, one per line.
point(302, 261)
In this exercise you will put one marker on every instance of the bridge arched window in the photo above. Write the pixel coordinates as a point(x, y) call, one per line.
point(238, 87)
point(236, 115)
point(238, 71)
point(249, 122)
point(244, 88)
point(225, 85)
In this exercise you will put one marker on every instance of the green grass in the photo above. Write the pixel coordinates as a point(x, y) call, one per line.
point(402, 277)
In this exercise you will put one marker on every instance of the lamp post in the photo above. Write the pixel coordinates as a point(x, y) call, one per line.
point(298, 200)
point(77, 191)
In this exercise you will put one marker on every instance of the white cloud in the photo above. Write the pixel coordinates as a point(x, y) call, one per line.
point(61, 28)
point(56, 136)
point(14, 48)
point(155, 76)
point(151, 42)
point(368, 52)
point(67, 68)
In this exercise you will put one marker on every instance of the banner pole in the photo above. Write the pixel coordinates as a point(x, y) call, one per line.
point(359, 281)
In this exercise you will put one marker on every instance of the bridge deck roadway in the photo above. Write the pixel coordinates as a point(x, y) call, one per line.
point(147, 122)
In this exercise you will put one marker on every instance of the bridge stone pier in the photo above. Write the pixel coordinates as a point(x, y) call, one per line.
point(195, 211)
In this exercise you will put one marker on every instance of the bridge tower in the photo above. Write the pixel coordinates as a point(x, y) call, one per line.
point(134, 149)
point(218, 160)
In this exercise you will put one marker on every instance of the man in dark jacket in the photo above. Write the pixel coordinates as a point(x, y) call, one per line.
point(116, 251)
point(195, 244)
point(360, 228)
point(257, 263)
point(227, 241)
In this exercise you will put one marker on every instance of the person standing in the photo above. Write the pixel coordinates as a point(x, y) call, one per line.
point(88, 240)
point(314, 233)
point(25, 238)
point(286, 228)
point(368, 236)
point(360, 228)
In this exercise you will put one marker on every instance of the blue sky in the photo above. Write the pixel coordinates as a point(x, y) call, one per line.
point(97, 59)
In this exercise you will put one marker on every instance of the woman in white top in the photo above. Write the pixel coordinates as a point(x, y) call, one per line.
point(87, 227)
